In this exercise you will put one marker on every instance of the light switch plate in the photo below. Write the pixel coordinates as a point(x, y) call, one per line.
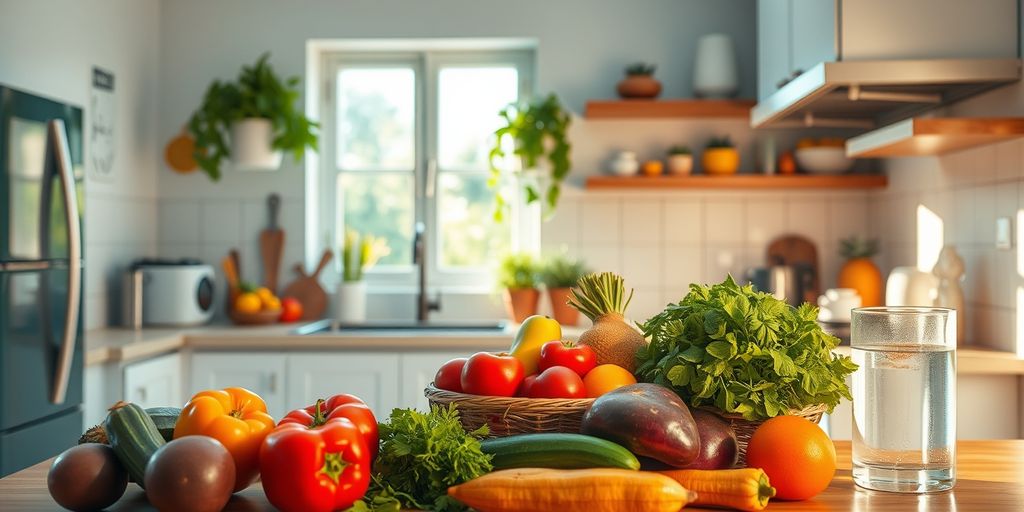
point(1004, 233)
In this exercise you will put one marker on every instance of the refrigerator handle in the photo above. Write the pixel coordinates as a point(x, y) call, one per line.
point(62, 160)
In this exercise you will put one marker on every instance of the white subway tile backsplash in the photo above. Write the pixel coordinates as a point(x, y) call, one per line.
point(765, 221)
point(646, 303)
point(641, 221)
point(178, 221)
point(847, 218)
point(683, 220)
point(984, 227)
point(562, 230)
point(724, 222)
point(682, 265)
point(602, 257)
point(221, 221)
point(601, 220)
point(808, 218)
point(723, 260)
point(642, 265)
point(1008, 160)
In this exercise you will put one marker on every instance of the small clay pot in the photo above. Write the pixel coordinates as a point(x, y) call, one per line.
point(521, 303)
point(639, 86)
point(563, 313)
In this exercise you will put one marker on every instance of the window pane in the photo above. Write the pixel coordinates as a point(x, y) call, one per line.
point(376, 118)
point(380, 205)
point(469, 101)
point(469, 237)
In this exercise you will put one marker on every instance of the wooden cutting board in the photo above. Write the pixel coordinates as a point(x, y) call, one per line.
point(307, 290)
point(801, 253)
point(272, 244)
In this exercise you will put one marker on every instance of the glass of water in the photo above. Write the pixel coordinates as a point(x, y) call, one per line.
point(904, 398)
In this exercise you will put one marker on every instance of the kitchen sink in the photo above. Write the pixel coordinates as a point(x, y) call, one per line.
point(332, 327)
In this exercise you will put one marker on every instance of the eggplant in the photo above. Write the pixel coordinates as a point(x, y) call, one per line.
point(649, 420)
point(718, 446)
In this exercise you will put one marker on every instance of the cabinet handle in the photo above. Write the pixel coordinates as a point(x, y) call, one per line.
point(796, 73)
point(781, 83)
point(272, 385)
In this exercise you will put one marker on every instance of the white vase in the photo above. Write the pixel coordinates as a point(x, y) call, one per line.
point(715, 74)
point(350, 302)
point(680, 164)
point(624, 163)
point(252, 145)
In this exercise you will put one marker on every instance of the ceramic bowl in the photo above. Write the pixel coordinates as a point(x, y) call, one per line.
point(823, 160)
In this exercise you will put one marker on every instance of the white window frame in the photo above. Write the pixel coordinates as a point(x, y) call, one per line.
point(426, 58)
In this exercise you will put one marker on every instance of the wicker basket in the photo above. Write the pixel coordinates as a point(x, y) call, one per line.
point(507, 416)
point(745, 428)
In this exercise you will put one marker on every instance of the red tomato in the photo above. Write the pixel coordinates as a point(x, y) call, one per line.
point(291, 309)
point(339, 406)
point(491, 374)
point(524, 388)
point(449, 376)
point(578, 358)
point(558, 382)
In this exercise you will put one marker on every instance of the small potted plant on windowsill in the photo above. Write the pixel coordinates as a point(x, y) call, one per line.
point(680, 160)
point(721, 157)
point(639, 82)
point(252, 121)
point(358, 254)
point(560, 274)
point(518, 275)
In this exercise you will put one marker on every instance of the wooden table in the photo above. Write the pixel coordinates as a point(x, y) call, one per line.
point(990, 477)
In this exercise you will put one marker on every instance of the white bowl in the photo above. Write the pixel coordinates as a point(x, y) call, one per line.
point(823, 160)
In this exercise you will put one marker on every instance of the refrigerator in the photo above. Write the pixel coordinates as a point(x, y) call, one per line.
point(41, 268)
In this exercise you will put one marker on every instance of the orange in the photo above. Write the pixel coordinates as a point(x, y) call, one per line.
point(797, 455)
point(248, 303)
point(605, 378)
point(653, 168)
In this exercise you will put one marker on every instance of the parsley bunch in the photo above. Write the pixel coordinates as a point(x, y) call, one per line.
point(743, 352)
point(421, 455)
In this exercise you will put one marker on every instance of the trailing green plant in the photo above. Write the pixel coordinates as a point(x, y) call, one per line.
point(518, 271)
point(720, 142)
point(858, 247)
point(535, 131)
point(258, 92)
point(359, 253)
point(680, 150)
point(562, 271)
point(640, 69)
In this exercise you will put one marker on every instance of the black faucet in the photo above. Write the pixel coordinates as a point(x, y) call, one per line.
point(423, 304)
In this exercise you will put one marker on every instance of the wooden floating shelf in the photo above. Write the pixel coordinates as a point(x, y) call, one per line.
point(739, 181)
point(666, 109)
point(933, 136)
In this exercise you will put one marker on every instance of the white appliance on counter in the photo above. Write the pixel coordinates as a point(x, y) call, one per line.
point(168, 293)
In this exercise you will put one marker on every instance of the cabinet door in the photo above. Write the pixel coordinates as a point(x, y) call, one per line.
point(418, 370)
point(373, 377)
point(95, 399)
point(813, 25)
point(773, 45)
point(261, 373)
point(155, 382)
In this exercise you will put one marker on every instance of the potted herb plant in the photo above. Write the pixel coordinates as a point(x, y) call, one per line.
point(358, 254)
point(251, 120)
point(680, 160)
point(721, 156)
point(639, 82)
point(518, 275)
point(560, 274)
point(534, 133)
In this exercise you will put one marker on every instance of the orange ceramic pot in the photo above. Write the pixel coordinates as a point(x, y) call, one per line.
point(639, 86)
point(563, 313)
point(721, 161)
point(521, 303)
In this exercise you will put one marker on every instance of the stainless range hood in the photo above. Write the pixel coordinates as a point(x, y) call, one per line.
point(867, 94)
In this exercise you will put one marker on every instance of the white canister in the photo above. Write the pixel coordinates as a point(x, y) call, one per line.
point(252, 145)
point(350, 302)
point(625, 163)
point(680, 164)
point(715, 74)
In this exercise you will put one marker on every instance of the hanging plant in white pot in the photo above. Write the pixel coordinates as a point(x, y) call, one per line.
point(252, 121)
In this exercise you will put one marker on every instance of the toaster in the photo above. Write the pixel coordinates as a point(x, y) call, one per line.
point(168, 293)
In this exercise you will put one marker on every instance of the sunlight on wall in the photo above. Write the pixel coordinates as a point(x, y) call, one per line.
point(930, 232)
point(1020, 290)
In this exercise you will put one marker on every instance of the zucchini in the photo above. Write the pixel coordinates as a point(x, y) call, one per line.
point(557, 451)
point(133, 436)
point(164, 418)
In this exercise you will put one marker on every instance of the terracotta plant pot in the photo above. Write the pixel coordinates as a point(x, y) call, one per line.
point(680, 164)
point(563, 313)
point(639, 86)
point(721, 161)
point(521, 303)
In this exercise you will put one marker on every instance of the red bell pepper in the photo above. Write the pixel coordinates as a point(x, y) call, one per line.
point(321, 467)
point(340, 406)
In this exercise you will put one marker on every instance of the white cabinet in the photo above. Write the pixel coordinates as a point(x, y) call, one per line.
point(813, 26)
point(772, 46)
point(418, 370)
point(260, 372)
point(372, 376)
point(96, 399)
point(154, 382)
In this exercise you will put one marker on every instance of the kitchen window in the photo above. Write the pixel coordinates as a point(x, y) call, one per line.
point(405, 141)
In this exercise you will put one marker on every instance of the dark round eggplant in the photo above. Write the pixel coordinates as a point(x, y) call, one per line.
point(87, 477)
point(194, 473)
point(649, 420)
point(718, 446)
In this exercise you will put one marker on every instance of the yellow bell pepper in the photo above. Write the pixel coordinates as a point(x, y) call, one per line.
point(533, 334)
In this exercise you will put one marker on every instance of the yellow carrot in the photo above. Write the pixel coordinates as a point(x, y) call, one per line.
point(741, 489)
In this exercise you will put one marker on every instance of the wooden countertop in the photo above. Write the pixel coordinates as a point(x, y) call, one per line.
point(990, 477)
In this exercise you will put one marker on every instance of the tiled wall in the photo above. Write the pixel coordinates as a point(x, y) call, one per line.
point(968, 190)
point(662, 242)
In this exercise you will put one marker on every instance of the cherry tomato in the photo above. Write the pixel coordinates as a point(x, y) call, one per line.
point(449, 376)
point(578, 358)
point(491, 374)
point(524, 388)
point(558, 382)
point(291, 309)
